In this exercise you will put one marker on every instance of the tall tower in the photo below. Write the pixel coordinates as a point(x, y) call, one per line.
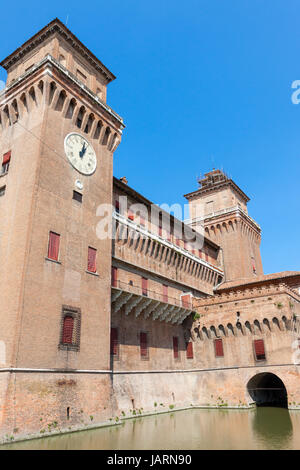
point(221, 207)
point(58, 136)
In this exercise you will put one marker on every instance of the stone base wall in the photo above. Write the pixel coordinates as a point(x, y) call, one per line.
point(34, 404)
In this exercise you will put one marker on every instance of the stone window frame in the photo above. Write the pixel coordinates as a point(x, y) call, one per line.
point(75, 313)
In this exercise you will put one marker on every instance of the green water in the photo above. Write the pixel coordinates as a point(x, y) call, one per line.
point(261, 428)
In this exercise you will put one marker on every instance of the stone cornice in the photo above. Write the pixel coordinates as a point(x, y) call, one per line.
point(50, 62)
point(221, 215)
point(216, 187)
point(56, 26)
point(245, 294)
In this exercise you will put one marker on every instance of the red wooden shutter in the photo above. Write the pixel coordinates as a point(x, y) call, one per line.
point(92, 260)
point(165, 293)
point(259, 348)
point(186, 301)
point(219, 347)
point(130, 215)
point(143, 344)
point(144, 286)
point(114, 277)
point(189, 350)
point(53, 247)
point(114, 343)
point(68, 330)
point(6, 158)
point(175, 347)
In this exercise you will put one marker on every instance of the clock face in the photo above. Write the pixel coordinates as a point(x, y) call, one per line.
point(80, 154)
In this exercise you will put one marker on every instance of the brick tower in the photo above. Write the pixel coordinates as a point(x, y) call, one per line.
point(221, 207)
point(58, 136)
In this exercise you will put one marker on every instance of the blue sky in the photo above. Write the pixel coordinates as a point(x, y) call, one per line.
point(200, 84)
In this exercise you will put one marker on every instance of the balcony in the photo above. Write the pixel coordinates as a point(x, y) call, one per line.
point(149, 304)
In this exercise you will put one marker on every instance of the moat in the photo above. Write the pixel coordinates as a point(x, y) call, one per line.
point(260, 428)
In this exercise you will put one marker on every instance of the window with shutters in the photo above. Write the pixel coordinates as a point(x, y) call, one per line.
point(218, 344)
point(186, 301)
point(259, 349)
point(114, 342)
point(114, 277)
point(130, 215)
point(176, 347)
point(92, 254)
point(144, 351)
point(53, 246)
point(189, 350)
point(70, 328)
point(6, 162)
point(144, 286)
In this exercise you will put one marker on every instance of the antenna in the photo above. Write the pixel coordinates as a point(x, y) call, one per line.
point(67, 20)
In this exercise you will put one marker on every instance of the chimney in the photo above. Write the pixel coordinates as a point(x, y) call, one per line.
point(124, 179)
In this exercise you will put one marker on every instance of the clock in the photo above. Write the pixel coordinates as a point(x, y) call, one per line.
point(80, 153)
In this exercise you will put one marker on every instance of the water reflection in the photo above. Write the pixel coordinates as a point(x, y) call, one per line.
point(273, 428)
point(261, 428)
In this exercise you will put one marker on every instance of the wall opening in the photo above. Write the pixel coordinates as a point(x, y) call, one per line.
point(267, 389)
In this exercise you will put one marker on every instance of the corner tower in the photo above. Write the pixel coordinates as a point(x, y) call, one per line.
point(58, 136)
point(220, 206)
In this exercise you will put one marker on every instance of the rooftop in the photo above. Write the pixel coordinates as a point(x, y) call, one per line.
point(288, 277)
point(56, 27)
point(215, 180)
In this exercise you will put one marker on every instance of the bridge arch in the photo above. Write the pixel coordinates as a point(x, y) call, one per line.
point(267, 389)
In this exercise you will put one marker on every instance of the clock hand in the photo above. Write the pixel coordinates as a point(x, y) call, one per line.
point(83, 150)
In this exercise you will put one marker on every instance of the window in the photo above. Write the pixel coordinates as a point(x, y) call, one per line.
point(92, 253)
point(218, 343)
point(144, 286)
point(144, 345)
point(175, 347)
point(165, 293)
point(160, 230)
point(114, 343)
point(186, 301)
point(142, 221)
point(114, 276)
point(77, 196)
point(259, 349)
point(81, 76)
point(253, 264)
point(53, 246)
point(117, 207)
point(130, 215)
point(70, 328)
point(2, 191)
point(6, 162)
point(189, 350)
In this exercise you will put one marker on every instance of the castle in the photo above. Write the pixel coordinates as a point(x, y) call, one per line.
point(148, 314)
